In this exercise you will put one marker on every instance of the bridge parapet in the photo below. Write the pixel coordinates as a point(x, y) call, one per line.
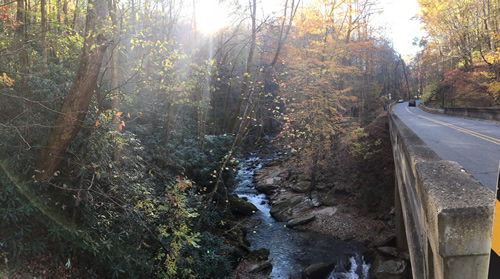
point(491, 113)
point(446, 214)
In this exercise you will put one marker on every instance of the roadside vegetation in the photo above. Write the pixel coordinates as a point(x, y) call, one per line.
point(459, 64)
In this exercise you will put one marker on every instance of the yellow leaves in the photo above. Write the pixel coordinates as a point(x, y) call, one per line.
point(494, 89)
point(6, 80)
point(493, 57)
point(139, 205)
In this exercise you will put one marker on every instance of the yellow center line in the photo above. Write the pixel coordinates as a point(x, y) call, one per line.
point(460, 129)
point(467, 131)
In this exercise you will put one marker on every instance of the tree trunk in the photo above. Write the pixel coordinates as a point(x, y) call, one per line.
point(58, 4)
point(246, 75)
point(406, 77)
point(43, 35)
point(268, 72)
point(168, 122)
point(115, 92)
point(76, 104)
point(497, 15)
point(21, 36)
point(75, 15)
point(65, 11)
point(115, 101)
point(349, 22)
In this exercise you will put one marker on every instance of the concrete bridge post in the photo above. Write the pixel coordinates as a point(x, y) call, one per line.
point(444, 214)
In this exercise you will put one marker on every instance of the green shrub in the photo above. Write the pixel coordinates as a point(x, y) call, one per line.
point(210, 260)
point(429, 92)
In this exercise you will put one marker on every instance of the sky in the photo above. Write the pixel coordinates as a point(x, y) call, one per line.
point(396, 20)
point(398, 25)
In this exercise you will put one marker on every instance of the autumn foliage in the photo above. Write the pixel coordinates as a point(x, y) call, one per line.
point(6, 19)
point(330, 83)
point(461, 52)
point(121, 124)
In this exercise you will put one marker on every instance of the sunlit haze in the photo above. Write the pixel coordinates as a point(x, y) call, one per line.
point(211, 15)
point(396, 20)
point(398, 23)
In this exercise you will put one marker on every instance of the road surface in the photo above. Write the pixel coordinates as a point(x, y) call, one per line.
point(474, 144)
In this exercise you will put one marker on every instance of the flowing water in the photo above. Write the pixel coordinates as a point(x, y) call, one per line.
point(291, 250)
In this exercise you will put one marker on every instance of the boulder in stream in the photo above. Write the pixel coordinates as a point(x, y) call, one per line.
point(259, 255)
point(385, 240)
point(300, 220)
point(391, 269)
point(318, 271)
point(328, 198)
point(301, 186)
point(261, 266)
point(290, 205)
point(388, 251)
point(321, 186)
point(240, 206)
point(267, 188)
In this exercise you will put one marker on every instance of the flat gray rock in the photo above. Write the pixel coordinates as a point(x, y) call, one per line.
point(300, 221)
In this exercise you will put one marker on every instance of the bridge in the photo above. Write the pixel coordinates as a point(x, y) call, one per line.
point(446, 175)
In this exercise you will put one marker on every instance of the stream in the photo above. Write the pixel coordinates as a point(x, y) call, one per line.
point(292, 250)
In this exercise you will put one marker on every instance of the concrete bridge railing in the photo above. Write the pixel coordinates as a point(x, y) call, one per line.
point(492, 113)
point(443, 215)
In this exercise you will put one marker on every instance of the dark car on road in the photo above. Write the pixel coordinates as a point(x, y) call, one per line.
point(412, 103)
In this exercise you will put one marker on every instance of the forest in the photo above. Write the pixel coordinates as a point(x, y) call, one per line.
point(122, 123)
point(458, 65)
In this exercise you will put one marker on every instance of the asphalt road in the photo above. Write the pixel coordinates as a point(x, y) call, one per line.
point(474, 144)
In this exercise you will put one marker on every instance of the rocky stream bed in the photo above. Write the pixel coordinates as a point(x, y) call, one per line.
point(297, 231)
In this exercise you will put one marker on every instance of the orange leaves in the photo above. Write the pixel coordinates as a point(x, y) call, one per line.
point(6, 80)
point(457, 78)
point(117, 120)
point(469, 88)
point(122, 124)
point(113, 117)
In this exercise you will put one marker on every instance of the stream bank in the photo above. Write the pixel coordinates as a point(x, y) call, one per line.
point(332, 228)
point(292, 253)
point(320, 209)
